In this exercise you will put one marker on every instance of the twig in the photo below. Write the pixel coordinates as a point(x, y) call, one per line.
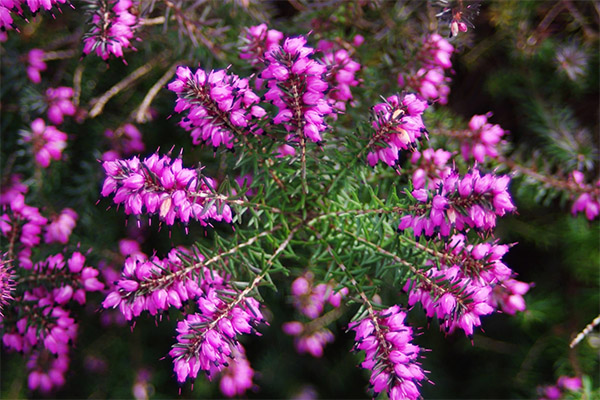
point(141, 112)
point(101, 101)
point(77, 84)
point(586, 331)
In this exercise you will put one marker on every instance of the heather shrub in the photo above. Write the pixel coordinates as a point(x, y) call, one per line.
point(299, 199)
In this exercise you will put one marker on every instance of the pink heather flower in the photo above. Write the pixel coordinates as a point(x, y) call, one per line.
point(61, 227)
point(588, 201)
point(160, 185)
point(152, 284)
point(112, 30)
point(311, 342)
point(207, 340)
point(81, 279)
point(573, 384)
point(258, 40)
point(358, 40)
point(59, 104)
point(44, 338)
point(431, 167)
point(389, 354)
point(10, 188)
point(481, 139)
point(509, 296)
point(48, 142)
point(26, 217)
point(8, 6)
point(340, 76)
point(399, 125)
point(458, 15)
point(467, 282)
point(430, 80)
point(219, 106)
point(237, 377)
point(126, 140)
point(459, 203)
point(36, 64)
point(310, 300)
point(296, 85)
point(7, 284)
point(458, 303)
point(47, 372)
point(555, 392)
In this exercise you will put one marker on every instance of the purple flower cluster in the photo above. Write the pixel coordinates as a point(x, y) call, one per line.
point(160, 185)
point(341, 74)
point(112, 31)
point(508, 296)
point(481, 139)
point(307, 339)
point(236, 379)
point(431, 167)
point(564, 385)
point(153, 285)
point(296, 85)
point(218, 106)
point(44, 328)
point(24, 221)
point(258, 40)
point(430, 80)
point(459, 203)
point(7, 284)
point(10, 187)
point(60, 103)
point(389, 354)
point(398, 124)
point(310, 300)
point(125, 141)
point(588, 201)
point(207, 340)
point(7, 7)
point(48, 142)
point(35, 64)
point(60, 228)
point(466, 282)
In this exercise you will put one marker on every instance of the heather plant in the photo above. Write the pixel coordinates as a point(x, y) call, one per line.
point(207, 199)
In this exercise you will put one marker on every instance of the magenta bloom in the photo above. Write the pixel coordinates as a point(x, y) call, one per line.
point(61, 227)
point(296, 85)
point(36, 64)
point(7, 284)
point(432, 167)
point(112, 30)
point(389, 354)
point(430, 80)
point(258, 40)
point(589, 200)
point(237, 377)
point(341, 74)
point(60, 104)
point(219, 106)
point(482, 139)
point(465, 283)
point(459, 203)
point(24, 217)
point(308, 341)
point(399, 125)
point(160, 185)
point(207, 340)
point(48, 142)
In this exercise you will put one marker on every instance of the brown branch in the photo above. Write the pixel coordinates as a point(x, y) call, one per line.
point(100, 102)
